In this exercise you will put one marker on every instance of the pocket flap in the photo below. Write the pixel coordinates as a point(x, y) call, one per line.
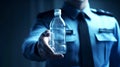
point(105, 37)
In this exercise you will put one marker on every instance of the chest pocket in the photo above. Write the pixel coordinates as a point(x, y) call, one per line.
point(70, 41)
point(105, 37)
point(70, 36)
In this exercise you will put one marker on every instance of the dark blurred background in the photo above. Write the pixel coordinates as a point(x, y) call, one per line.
point(16, 19)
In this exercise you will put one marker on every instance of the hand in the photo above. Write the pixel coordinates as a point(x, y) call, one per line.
point(44, 48)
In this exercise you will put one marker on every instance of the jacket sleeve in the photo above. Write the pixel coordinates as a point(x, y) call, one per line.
point(117, 35)
point(115, 52)
point(29, 47)
point(118, 31)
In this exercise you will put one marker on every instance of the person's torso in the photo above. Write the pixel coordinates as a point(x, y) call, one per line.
point(101, 30)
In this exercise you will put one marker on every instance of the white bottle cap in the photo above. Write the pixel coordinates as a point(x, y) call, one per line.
point(57, 12)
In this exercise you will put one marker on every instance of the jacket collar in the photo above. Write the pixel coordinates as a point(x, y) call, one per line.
point(73, 12)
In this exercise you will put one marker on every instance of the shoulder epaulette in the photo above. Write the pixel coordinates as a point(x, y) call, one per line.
point(102, 12)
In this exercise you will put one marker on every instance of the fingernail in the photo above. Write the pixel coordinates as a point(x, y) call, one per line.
point(62, 55)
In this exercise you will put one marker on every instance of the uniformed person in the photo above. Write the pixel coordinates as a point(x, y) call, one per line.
point(101, 34)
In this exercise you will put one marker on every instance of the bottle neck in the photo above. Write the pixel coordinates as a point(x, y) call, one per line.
point(59, 15)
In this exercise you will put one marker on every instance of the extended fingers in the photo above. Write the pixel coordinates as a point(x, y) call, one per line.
point(46, 33)
point(44, 39)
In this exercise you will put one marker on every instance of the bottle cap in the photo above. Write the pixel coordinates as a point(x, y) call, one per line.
point(57, 12)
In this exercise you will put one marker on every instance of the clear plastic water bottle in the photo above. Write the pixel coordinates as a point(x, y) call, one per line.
point(57, 29)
